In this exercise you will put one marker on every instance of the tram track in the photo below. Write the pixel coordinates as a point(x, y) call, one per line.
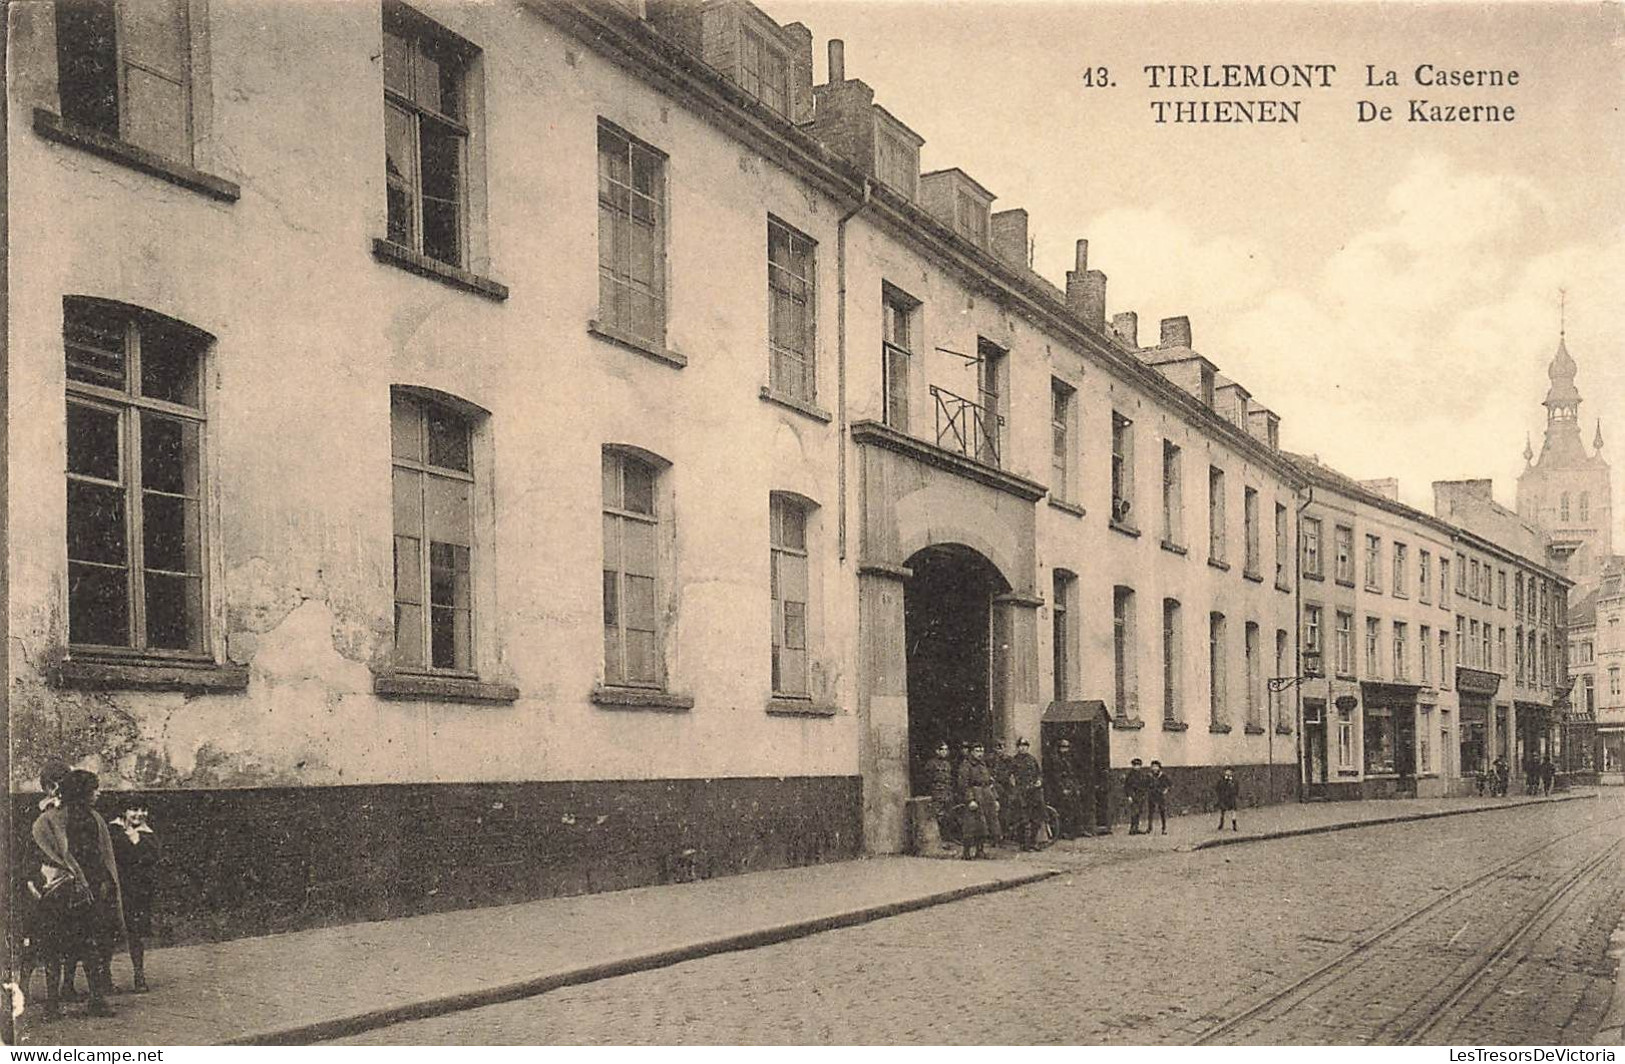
point(1280, 1007)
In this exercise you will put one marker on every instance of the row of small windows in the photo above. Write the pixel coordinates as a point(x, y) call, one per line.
point(1062, 427)
point(1475, 580)
point(1125, 667)
point(136, 542)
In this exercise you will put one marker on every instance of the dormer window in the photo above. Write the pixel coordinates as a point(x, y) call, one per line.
point(897, 163)
point(764, 70)
point(970, 218)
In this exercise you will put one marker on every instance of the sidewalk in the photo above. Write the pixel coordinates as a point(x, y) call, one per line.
point(305, 986)
point(309, 985)
point(1197, 831)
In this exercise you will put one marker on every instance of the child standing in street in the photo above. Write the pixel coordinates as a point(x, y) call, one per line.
point(1226, 796)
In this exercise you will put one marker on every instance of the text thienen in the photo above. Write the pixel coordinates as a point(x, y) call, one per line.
point(1235, 112)
point(1240, 75)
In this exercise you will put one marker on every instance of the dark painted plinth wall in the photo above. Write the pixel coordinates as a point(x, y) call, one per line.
point(256, 861)
point(1193, 788)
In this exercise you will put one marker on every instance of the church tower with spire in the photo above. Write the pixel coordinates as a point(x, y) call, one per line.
point(1566, 491)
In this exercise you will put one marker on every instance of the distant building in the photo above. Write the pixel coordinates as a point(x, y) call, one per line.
point(1566, 490)
point(1597, 662)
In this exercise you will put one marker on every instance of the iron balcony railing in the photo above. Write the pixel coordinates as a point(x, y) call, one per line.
point(966, 427)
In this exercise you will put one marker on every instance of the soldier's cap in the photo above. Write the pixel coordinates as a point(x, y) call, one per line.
point(1064, 742)
point(1157, 763)
point(1135, 761)
point(1022, 742)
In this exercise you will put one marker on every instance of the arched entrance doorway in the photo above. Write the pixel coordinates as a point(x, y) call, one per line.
point(949, 637)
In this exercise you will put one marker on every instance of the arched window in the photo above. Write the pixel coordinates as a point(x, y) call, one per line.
point(136, 521)
point(633, 515)
point(432, 453)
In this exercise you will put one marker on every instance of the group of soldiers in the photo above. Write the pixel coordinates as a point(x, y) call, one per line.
point(979, 799)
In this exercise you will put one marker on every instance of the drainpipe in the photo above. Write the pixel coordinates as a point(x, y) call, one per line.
point(840, 366)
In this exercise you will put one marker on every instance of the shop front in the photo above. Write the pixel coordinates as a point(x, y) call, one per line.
point(1475, 690)
point(1389, 740)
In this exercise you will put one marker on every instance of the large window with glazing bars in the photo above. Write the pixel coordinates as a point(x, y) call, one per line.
point(631, 572)
point(432, 455)
point(426, 136)
point(792, 309)
point(764, 71)
point(136, 518)
point(124, 70)
point(787, 579)
point(631, 236)
point(897, 349)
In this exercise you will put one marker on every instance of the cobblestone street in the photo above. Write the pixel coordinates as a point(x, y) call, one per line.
point(1165, 947)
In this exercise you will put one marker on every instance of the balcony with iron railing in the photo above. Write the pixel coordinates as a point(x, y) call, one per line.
point(967, 428)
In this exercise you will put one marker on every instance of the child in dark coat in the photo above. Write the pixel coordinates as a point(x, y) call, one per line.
point(135, 847)
point(1227, 796)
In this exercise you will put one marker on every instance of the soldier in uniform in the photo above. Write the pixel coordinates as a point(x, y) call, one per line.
point(939, 782)
point(1027, 794)
point(1134, 790)
point(976, 787)
point(1063, 787)
point(1004, 813)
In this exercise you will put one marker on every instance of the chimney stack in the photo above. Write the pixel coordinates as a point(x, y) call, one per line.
point(1086, 290)
point(1126, 326)
point(837, 61)
point(1176, 332)
point(1010, 236)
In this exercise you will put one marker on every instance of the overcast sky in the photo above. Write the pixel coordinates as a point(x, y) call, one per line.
point(1391, 290)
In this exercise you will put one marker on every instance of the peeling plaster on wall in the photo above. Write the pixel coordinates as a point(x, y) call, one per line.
point(83, 728)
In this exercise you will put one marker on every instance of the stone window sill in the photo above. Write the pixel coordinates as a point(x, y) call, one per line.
point(1257, 578)
point(800, 406)
point(1279, 586)
point(52, 126)
point(1222, 566)
point(1219, 729)
point(1127, 530)
point(149, 674)
point(422, 687)
point(641, 698)
point(609, 334)
point(1127, 723)
point(1175, 725)
point(1317, 577)
point(1283, 729)
point(1067, 507)
point(1372, 590)
point(1344, 583)
point(1173, 548)
point(1253, 729)
point(435, 270)
point(1400, 595)
point(800, 707)
point(1351, 773)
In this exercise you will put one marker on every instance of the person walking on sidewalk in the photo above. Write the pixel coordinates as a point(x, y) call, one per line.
point(1157, 786)
point(1134, 789)
point(1548, 775)
point(1226, 796)
point(1063, 789)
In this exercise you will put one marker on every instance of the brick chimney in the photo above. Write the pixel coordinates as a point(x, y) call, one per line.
point(1086, 290)
point(1010, 236)
point(1387, 487)
point(1176, 332)
point(801, 71)
point(1126, 327)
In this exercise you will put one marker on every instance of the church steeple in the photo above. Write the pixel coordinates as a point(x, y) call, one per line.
point(1562, 398)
